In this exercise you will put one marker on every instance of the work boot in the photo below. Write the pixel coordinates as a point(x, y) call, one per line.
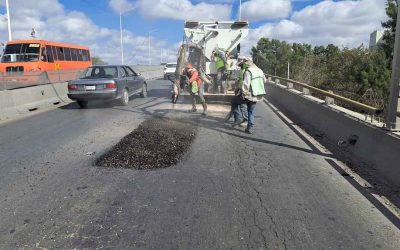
point(228, 116)
point(193, 110)
point(236, 123)
point(204, 108)
point(243, 123)
point(249, 131)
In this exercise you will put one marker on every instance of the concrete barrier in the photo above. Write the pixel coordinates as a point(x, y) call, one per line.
point(24, 100)
point(375, 146)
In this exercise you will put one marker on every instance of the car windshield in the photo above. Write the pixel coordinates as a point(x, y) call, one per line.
point(100, 72)
point(170, 65)
point(21, 52)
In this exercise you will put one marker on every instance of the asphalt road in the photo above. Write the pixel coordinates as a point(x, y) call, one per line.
point(269, 190)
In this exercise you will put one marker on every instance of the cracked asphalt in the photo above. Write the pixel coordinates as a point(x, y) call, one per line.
point(269, 190)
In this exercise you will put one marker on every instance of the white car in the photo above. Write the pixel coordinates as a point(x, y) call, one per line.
point(169, 69)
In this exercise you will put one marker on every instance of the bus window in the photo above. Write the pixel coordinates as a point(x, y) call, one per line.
point(21, 52)
point(74, 55)
point(50, 57)
point(44, 55)
point(80, 56)
point(60, 53)
point(53, 49)
point(85, 55)
point(67, 52)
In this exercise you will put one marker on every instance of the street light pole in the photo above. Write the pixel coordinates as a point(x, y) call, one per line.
point(393, 119)
point(122, 44)
point(240, 10)
point(150, 46)
point(149, 50)
point(288, 70)
point(8, 21)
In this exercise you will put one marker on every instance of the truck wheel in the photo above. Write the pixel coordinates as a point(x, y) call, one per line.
point(124, 98)
point(144, 90)
point(82, 104)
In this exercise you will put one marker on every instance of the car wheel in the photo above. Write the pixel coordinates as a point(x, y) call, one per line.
point(124, 98)
point(144, 90)
point(82, 104)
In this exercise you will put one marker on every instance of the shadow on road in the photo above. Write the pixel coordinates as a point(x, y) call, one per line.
point(380, 188)
point(384, 210)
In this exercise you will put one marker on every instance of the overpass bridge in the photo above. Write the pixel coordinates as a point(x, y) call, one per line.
point(313, 175)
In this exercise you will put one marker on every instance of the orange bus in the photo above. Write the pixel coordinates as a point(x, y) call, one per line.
point(43, 58)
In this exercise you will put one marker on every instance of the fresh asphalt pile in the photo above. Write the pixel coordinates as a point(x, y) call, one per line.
point(156, 143)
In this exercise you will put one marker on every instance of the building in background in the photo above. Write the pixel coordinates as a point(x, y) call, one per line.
point(375, 39)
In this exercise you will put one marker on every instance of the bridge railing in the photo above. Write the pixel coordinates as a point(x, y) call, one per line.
point(369, 111)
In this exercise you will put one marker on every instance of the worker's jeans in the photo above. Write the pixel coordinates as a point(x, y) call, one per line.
point(201, 96)
point(250, 111)
point(221, 78)
point(240, 105)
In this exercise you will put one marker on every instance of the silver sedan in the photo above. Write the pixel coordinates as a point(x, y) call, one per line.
point(107, 82)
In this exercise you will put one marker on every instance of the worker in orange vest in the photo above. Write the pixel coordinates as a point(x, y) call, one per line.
point(195, 87)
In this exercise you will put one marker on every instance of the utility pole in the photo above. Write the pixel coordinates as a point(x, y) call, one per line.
point(393, 119)
point(122, 44)
point(288, 70)
point(8, 21)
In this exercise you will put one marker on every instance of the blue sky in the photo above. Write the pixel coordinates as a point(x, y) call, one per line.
point(96, 22)
point(171, 30)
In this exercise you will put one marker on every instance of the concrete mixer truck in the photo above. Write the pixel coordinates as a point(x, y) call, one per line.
point(212, 47)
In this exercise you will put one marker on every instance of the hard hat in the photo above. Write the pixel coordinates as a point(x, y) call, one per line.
point(245, 58)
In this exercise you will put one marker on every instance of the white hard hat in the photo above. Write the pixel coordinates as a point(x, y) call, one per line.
point(245, 58)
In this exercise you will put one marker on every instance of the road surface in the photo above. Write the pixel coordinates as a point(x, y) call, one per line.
point(269, 190)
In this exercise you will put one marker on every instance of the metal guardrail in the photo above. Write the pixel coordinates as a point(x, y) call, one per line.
point(366, 108)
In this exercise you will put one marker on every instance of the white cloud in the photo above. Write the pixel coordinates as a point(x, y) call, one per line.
point(183, 10)
point(255, 10)
point(54, 23)
point(121, 6)
point(345, 23)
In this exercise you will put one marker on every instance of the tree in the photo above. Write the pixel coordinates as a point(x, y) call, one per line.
point(390, 28)
point(96, 60)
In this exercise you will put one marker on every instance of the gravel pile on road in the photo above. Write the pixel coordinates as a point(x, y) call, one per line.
point(156, 143)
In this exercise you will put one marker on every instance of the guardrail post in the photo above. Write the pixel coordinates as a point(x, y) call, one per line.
point(289, 85)
point(277, 81)
point(306, 91)
point(329, 100)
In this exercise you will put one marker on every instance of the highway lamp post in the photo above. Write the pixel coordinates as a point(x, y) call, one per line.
point(240, 10)
point(393, 119)
point(122, 42)
point(274, 50)
point(288, 65)
point(8, 21)
point(150, 46)
point(288, 70)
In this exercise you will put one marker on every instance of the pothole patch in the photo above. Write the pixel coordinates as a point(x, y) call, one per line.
point(156, 143)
